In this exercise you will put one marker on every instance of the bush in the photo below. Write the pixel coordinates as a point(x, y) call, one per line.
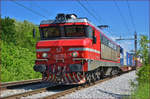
point(17, 63)
point(143, 74)
point(17, 50)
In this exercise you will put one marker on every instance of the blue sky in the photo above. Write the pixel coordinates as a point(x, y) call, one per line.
point(106, 13)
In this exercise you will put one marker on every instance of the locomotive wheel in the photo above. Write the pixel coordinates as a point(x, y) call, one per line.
point(93, 77)
point(88, 78)
point(98, 74)
point(114, 72)
point(102, 74)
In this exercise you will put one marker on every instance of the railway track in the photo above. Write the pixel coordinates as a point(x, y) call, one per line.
point(9, 85)
point(58, 89)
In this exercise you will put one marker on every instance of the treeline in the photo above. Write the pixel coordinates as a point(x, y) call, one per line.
point(17, 50)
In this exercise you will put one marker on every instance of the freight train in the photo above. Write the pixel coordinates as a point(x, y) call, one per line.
point(72, 50)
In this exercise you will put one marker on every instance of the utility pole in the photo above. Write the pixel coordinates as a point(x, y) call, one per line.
point(149, 46)
point(135, 45)
point(149, 40)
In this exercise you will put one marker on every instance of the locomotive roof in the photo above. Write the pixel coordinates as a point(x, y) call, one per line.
point(64, 21)
point(73, 21)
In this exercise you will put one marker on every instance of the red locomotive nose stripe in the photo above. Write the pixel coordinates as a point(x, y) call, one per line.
point(71, 75)
point(81, 76)
point(64, 81)
point(76, 77)
point(51, 77)
point(70, 79)
point(64, 77)
point(55, 77)
point(47, 73)
point(67, 78)
point(47, 77)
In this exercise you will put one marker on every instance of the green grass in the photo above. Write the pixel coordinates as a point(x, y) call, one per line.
point(142, 92)
point(143, 88)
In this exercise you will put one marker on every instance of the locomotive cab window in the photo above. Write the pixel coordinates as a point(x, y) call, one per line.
point(67, 31)
point(75, 31)
point(50, 32)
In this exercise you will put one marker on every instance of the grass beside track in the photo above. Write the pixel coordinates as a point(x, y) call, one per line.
point(142, 92)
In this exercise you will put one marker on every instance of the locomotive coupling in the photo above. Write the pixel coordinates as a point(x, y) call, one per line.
point(40, 68)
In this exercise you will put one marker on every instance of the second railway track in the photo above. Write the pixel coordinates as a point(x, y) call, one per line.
point(7, 85)
point(57, 90)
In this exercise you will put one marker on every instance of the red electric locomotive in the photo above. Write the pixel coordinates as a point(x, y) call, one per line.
point(74, 51)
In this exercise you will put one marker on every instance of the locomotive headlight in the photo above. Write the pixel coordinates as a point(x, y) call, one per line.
point(44, 55)
point(75, 54)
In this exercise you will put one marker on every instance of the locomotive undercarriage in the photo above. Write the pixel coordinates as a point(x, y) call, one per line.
point(59, 74)
point(81, 77)
point(66, 78)
point(101, 72)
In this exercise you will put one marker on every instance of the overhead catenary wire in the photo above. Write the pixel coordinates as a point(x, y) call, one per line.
point(42, 8)
point(130, 13)
point(123, 19)
point(119, 10)
point(100, 18)
point(29, 9)
point(88, 11)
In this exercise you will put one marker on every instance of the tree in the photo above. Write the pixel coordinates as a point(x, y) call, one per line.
point(143, 51)
point(143, 73)
point(7, 29)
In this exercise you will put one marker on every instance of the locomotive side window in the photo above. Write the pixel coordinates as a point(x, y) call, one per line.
point(89, 31)
point(107, 42)
point(75, 31)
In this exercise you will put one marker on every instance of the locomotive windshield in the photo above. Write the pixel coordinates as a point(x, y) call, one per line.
point(67, 31)
point(50, 32)
point(75, 31)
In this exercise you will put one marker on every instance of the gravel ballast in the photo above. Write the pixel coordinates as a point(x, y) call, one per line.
point(115, 88)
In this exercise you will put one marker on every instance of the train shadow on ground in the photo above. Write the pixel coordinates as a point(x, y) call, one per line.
point(61, 87)
point(116, 96)
point(42, 85)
